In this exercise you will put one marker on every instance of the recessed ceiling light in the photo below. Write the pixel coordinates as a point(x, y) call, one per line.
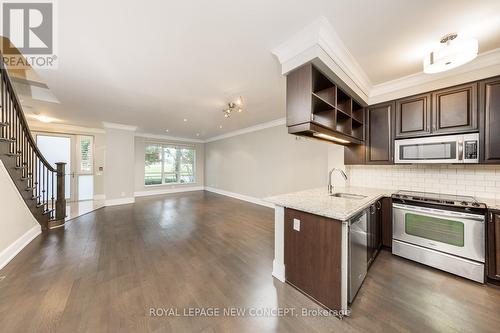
point(220, 126)
point(197, 134)
point(185, 120)
point(166, 130)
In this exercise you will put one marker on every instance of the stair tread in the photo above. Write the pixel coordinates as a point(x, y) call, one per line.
point(21, 167)
point(7, 140)
point(29, 188)
point(36, 197)
point(12, 154)
point(3, 124)
point(45, 212)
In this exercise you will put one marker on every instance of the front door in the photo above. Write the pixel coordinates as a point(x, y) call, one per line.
point(77, 152)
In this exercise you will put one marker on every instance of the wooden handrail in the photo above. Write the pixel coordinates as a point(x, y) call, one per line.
point(33, 173)
point(20, 114)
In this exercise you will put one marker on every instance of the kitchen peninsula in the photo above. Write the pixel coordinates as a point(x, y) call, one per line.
point(312, 239)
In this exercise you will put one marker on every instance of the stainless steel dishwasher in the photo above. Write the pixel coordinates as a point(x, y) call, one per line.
point(358, 241)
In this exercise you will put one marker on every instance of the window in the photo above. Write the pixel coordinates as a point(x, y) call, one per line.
point(85, 154)
point(168, 164)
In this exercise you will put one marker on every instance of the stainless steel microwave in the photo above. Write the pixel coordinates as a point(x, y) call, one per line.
point(462, 148)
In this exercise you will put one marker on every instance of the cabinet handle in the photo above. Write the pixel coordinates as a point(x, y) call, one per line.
point(379, 205)
point(491, 217)
point(372, 209)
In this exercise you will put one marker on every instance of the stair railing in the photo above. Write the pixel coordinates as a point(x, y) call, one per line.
point(46, 183)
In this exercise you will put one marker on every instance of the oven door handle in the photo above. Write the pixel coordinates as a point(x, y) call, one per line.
point(433, 211)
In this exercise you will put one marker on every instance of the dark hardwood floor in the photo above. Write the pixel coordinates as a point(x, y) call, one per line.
point(109, 267)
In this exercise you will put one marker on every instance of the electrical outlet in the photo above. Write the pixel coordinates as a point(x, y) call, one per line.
point(296, 224)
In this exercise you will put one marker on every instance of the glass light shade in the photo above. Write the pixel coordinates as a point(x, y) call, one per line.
point(454, 53)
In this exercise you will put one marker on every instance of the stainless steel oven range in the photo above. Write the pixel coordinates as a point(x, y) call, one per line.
point(443, 231)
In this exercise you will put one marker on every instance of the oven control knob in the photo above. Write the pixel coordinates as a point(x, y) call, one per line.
point(464, 203)
point(475, 204)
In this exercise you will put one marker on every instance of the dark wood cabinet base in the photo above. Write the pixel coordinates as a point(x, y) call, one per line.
point(313, 256)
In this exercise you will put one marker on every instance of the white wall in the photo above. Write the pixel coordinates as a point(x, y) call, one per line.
point(119, 166)
point(141, 189)
point(268, 162)
point(18, 225)
point(481, 181)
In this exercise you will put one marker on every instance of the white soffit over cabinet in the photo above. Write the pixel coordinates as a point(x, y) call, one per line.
point(320, 44)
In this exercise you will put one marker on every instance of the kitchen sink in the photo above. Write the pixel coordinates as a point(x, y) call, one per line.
point(348, 196)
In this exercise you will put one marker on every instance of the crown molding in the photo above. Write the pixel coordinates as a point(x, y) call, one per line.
point(485, 65)
point(167, 137)
point(319, 43)
point(119, 126)
point(56, 127)
point(259, 127)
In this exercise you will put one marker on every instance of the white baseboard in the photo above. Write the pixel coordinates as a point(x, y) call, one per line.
point(243, 197)
point(278, 271)
point(168, 191)
point(13, 249)
point(99, 197)
point(120, 201)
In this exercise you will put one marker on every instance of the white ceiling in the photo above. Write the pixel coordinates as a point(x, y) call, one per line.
point(152, 64)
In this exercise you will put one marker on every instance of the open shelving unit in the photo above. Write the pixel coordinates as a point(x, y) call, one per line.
point(334, 109)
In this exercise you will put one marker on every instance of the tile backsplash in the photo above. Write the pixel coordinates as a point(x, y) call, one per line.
point(481, 181)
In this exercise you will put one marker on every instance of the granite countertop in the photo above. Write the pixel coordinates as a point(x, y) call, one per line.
point(318, 201)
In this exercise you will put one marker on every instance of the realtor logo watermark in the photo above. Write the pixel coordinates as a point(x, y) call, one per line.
point(32, 31)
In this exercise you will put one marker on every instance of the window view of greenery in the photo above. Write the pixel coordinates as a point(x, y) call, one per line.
point(86, 154)
point(169, 165)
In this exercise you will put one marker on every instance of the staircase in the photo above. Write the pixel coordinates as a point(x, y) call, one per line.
point(40, 184)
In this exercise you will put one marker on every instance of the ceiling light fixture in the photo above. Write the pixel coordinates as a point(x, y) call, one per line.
point(166, 130)
point(44, 119)
point(236, 106)
point(185, 120)
point(453, 51)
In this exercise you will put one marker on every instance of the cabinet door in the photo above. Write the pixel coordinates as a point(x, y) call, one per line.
point(379, 134)
point(413, 116)
point(494, 245)
point(386, 221)
point(374, 231)
point(490, 120)
point(455, 109)
point(313, 256)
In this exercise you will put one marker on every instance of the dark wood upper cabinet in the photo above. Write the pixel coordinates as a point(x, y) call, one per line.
point(316, 105)
point(455, 109)
point(413, 116)
point(379, 134)
point(493, 236)
point(489, 100)
point(298, 96)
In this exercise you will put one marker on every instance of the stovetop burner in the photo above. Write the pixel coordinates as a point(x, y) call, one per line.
point(439, 198)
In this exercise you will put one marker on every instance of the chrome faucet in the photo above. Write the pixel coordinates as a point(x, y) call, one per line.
point(330, 186)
